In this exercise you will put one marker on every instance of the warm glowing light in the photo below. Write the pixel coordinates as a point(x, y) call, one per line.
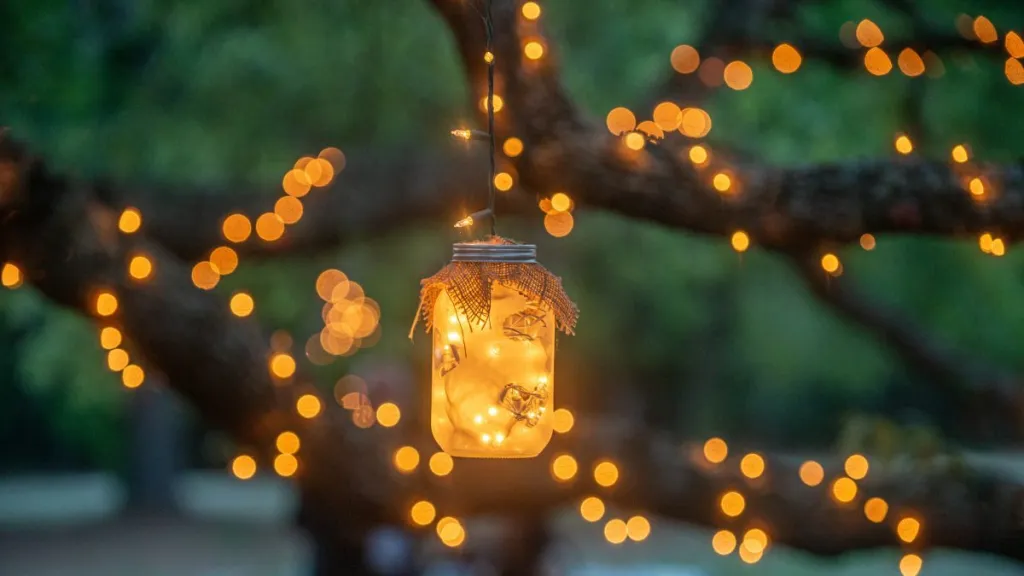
point(960, 154)
point(224, 259)
point(748, 556)
point(1014, 45)
point(712, 71)
point(140, 267)
point(285, 465)
point(635, 141)
point(732, 503)
point(696, 123)
point(723, 542)
point(462, 133)
point(638, 528)
point(867, 242)
point(910, 565)
point(422, 513)
point(716, 450)
point(562, 420)
point(910, 62)
point(976, 186)
point(531, 10)
point(117, 360)
point(1014, 71)
point(564, 467)
point(308, 406)
point(132, 376)
point(830, 263)
point(908, 529)
point(243, 467)
point(488, 57)
point(667, 116)
point(685, 59)
point(722, 182)
point(698, 155)
point(752, 465)
point(241, 304)
point(558, 224)
point(877, 62)
point(560, 202)
point(441, 464)
point(844, 490)
point(533, 50)
point(498, 103)
point(130, 221)
point(10, 276)
point(592, 509)
point(451, 532)
point(985, 30)
point(236, 228)
point(269, 227)
point(856, 466)
point(875, 510)
point(738, 75)
point(615, 531)
point(869, 34)
point(903, 144)
point(465, 222)
point(786, 59)
point(503, 181)
point(295, 183)
point(740, 241)
point(282, 365)
point(606, 474)
point(288, 442)
point(620, 120)
point(407, 459)
point(755, 540)
point(513, 147)
point(106, 304)
point(811, 473)
point(388, 414)
point(289, 209)
point(205, 275)
point(110, 338)
point(998, 248)
point(985, 243)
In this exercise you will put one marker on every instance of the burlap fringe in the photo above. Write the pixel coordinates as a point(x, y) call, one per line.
point(469, 286)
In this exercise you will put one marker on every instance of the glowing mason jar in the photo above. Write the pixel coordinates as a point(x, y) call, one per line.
point(493, 379)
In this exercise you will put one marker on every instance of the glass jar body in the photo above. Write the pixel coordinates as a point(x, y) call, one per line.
point(493, 383)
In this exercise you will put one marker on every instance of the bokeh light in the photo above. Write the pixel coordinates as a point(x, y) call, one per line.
point(844, 490)
point(205, 275)
point(562, 420)
point(606, 473)
point(269, 227)
point(615, 531)
point(503, 181)
point(10, 276)
point(406, 459)
point(282, 365)
point(960, 154)
point(984, 30)
point(512, 147)
point(564, 467)
point(877, 62)
point(910, 565)
point(732, 503)
point(559, 224)
point(117, 359)
point(908, 528)
point(243, 467)
point(752, 465)
point(685, 59)
point(698, 155)
point(667, 116)
point(388, 414)
point(738, 75)
point(876, 509)
point(740, 241)
point(241, 304)
point(140, 267)
point(638, 528)
point(289, 209)
point(811, 473)
point(592, 509)
point(130, 221)
point(422, 513)
point(441, 464)
point(723, 542)
point(830, 263)
point(224, 259)
point(903, 144)
point(531, 10)
point(236, 228)
point(110, 338)
point(308, 406)
point(869, 34)
point(451, 532)
point(716, 450)
point(287, 442)
point(105, 303)
point(696, 123)
point(620, 120)
point(132, 376)
point(867, 241)
point(285, 465)
point(786, 59)
point(910, 62)
point(533, 50)
point(856, 466)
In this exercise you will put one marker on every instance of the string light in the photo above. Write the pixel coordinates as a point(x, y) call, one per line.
point(869, 34)
point(811, 473)
point(441, 464)
point(562, 421)
point(723, 542)
point(282, 365)
point(752, 466)
point(876, 509)
point(308, 406)
point(592, 509)
point(615, 531)
point(130, 221)
point(908, 529)
point(110, 338)
point(830, 263)
point(755, 540)
point(288, 442)
point(786, 59)
point(856, 466)
point(606, 474)
point(451, 532)
point(10, 276)
point(740, 241)
point(844, 490)
point(1014, 45)
point(910, 565)
point(388, 414)
point(533, 50)
point(140, 267)
point(105, 303)
point(117, 360)
point(462, 133)
point(738, 75)
point(722, 182)
point(286, 465)
point(422, 513)
point(241, 304)
point(132, 376)
point(984, 30)
point(959, 154)
point(716, 450)
point(635, 141)
point(910, 63)
point(698, 155)
point(732, 503)
point(224, 260)
point(564, 467)
point(531, 10)
point(685, 59)
point(903, 144)
point(236, 228)
point(977, 187)
point(638, 528)
point(877, 62)
point(243, 467)
point(407, 459)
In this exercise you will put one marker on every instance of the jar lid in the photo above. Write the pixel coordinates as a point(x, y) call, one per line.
point(486, 252)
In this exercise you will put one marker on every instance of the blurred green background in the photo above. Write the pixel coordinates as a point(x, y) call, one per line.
point(678, 328)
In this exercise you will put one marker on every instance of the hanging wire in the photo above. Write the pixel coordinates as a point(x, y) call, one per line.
point(484, 11)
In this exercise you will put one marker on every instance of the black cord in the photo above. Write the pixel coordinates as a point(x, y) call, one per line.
point(489, 26)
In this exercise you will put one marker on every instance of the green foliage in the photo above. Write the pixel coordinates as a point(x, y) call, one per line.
point(232, 92)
